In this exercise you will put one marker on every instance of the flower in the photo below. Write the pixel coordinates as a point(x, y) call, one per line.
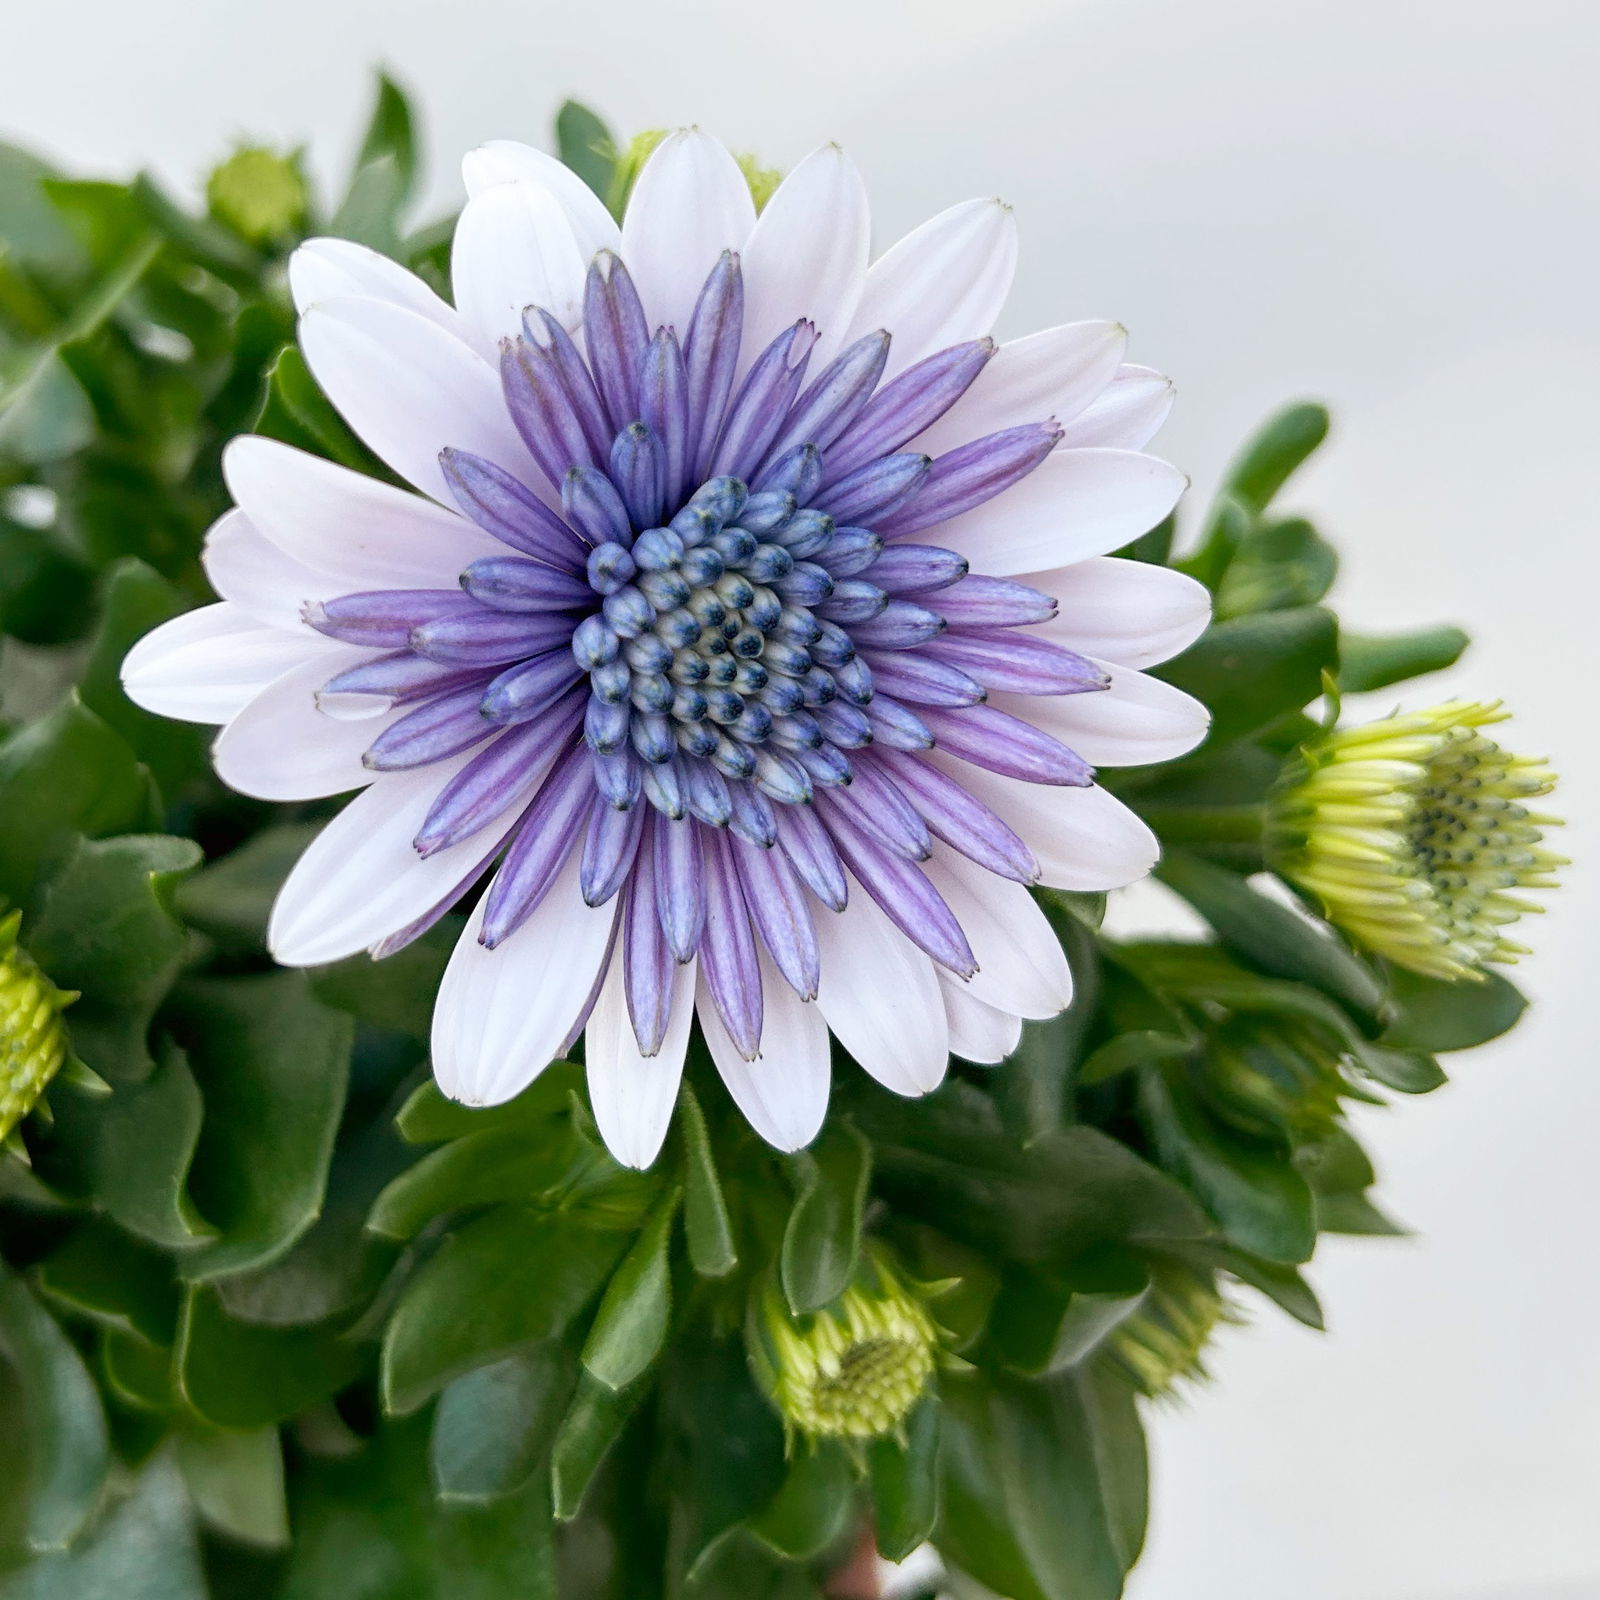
point(752, 610)
point(33, 1041)
point(856, 1368)
point(1413, 831)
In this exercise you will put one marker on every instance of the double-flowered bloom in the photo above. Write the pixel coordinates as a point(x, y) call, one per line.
point(749, 625)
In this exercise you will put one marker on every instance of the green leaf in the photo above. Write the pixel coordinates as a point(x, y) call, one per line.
point(64, 775)
point(1047, 1322)
point(813, 1508)
point(512, 1277)
point(107, 928)
point(428, 1117)
point(1371, 661)
point(1252, 670)
point(49, 1407)
point(243, 1375)
point(493, 1427)
point(44, 588)
point(137, 599)
point(904, 1475)
point(593, 1423)
point(706, 1224)
point(1434, 1014)
point(391, 132)
point(144, 1550)
point(229, 900)
point(1260, 1201)
point(371, 210)
point(296, 411)
point(272, 1064)
point(32, 227)
point(1277, 566)
point(102, 1274)
point(585, 144)
point(1281, 1284)
point(630, 1327)
point(1408, 1071)
point(1272, 936)
point(1282, 444)
point(236, 1482)
point(1044, 1487)
point(396, 993)
point(822, 1238)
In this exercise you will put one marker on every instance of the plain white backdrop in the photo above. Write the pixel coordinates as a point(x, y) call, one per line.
point(1388, 204)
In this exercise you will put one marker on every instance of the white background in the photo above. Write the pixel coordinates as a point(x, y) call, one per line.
point(1388, 204)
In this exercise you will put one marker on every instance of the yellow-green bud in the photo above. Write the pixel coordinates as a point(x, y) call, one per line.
point(1163, 1343)
point(762, 180)
point(1413, 832)
point(258, 193)
point(639, 149)
point(853, 1370)
point(1269, 1075)
point(33, 1042)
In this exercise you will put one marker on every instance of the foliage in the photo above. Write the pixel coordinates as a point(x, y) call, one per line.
point(278, 1320)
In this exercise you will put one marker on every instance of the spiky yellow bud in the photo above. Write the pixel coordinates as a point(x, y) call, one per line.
point(33, 1042)
point(1414, 833)
point(1163, 1343)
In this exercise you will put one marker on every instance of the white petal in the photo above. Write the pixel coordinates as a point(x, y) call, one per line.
point(880, 996)
point(507, 161)
point(245, 567)
point(978, 1032)
point(633, 1095)
point(1051, 374)
point(942, 284)
point(281, 747)
point(808, 256)
point(689, 204)
point(1131, 612)
point(1139, 719)
point(1021, 966)
point(1128, 413)
point(503, 1015)
point(1074, 504)
point(514, 248)
point(208, 665)
point(362, 533)
point(409, 389)
point(1084, 839)
point(336, 269)
point(361, 879)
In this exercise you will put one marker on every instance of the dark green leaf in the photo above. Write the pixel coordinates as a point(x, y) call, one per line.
point(397, 992)
point(823, 1235)
point(391, 131)
point(44, 588)
point(1409, 1071)
point(593, 1423)
point(1283, 443)
point(1281, 1284)
point(102, 1274)
point(705, 1213)
point(428, 1117)
point(50, 1409)
point(107, 928)
point(371, 210)
point(585, 144)
point(236, 1482)
point(630, 1327)
point(493, 1427)
point(272, 1064)
point(1371, 661)
point(1046, 1322)
point(1251, 670)
point(296, 411)
point(230, 899)
point(812, 1509)
point(512, 1277)
point(1438, 1015)
point(1277, 566)
point(905, 1483)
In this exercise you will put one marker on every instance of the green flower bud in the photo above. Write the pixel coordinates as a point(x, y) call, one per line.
point(639, 149)
point(1163, 1343)
point(853, 1370)
point(33, 1041)
point(1413, 832)
point(1273, 1076)
point(258, 193)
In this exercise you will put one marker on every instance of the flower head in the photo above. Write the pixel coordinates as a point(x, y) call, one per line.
point(1415, 832)
point(853, 1370)
point(33, 1042)
point(752, 623)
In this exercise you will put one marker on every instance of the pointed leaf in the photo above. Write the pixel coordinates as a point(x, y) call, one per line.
point(823, 1235)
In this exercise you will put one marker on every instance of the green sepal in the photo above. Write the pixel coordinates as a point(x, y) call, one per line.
point(822, 1239)
point(630, 1327)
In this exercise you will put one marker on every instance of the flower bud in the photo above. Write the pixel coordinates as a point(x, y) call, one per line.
point(258, 193)
point(1163, 1343)
point(33, 1041)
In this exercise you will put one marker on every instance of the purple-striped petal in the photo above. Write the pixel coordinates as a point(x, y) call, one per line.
point(510, 511)
point(967, 477)
point(728, 949)
point(871, 493)
point(804, 839)
point(639, 470)
point(835, 396)
point(1010, 659)
point(594, 507)
point(510, 583)
point(706, 793)
point(609, 846)
point(777, 906)
point(964, 823)
point(909, 568)
point(618, 778)
point(915, 676)
point(1002, 743)
point(441, 727)
point(796, 472)
point(901, 624)
point(680, 884)
point(851, 550)
point(615, 335)
point(853, 601)
point(398, 679)
point(752, 816)
point(896, 725)
point(486, 638)
point(544, 839)
point(763, 400)
point(383, 619)
point(537, 401)
point(664, 408)
point(529, 688)
point(874, 804)
point(583, 399)
point(978, 601)
point(647, 964)
point(711, 357)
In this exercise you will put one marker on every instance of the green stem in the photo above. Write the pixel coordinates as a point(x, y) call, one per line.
point(1239, 824)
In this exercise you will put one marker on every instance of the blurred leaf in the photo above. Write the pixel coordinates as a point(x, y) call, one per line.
point(705, 1213)
point(106, 927)
point(397, 992)
point(585, 144)
point(1370, 661)
point(102, 1274)
point(813, 1508)
point(428, 1117)
point(31, 227)
point(243, 1375)
point(371, 210)
point(822, 1238)
point(236, 1482)
point(391, 132)
point(230, 899)
point(272, 1064)
point(1280, 446)
point(137, 599)
point(904, 1474)
point(493, 1427)
point(630, 1327)
point(512, 1277)
point(1048, 1321)
point(144, 1550)
point(592, 1424)
point(1254, 669)
point(50, 1410)
point(295, 411)
point(1434, 1014)
point(1277, 566)
point(198, 239)
point(1281, 1284)
point(1340, 1174)
point(63, 775)
point(1273, 936)
point(44, 588)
